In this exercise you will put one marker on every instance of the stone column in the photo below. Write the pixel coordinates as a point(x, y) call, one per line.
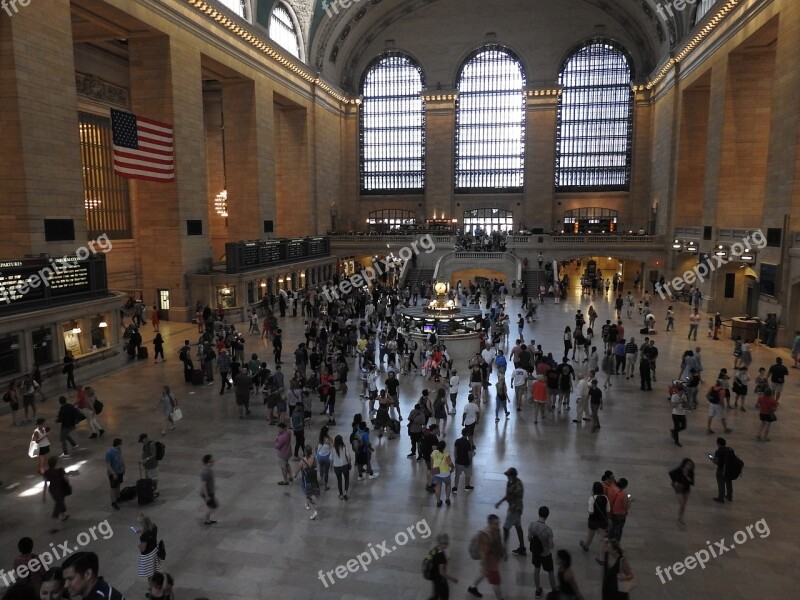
point(440, 122)
point(541, 113)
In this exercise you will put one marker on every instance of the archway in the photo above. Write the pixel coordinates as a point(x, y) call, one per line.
point(591, 219)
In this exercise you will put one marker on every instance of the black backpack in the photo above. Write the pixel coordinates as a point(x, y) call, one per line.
point(427, 565)
point(536, 546)
point(161, 449)
point(733, 466)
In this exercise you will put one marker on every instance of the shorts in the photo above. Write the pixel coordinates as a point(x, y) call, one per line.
point(595, 525)
point(28, 401)
point(43, 450)
point(462, 470)
point(470, 429)
point(777, 388)
point(441, 478)
point(241, 400)
point(151, 473)
point(283, 463)
point(493, 577)
point(115, 480)
point(767, 418)
point(512, 520)
point(543, 562)
point(716, 410)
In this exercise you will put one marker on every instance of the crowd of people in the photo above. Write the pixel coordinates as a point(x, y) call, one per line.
point(362, 332)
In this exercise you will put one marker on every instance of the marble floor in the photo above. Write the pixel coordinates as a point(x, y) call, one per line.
point(265, 546)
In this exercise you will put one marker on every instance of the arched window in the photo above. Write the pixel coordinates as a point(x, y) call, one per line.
point(702, 9)
point(237, 6)
point(282, 30)
point(392, 126)
point(490, 122)
point(595, 119)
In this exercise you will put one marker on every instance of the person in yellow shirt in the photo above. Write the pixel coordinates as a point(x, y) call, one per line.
point(442, 466)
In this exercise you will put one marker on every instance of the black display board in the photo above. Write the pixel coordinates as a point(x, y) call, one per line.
point(31, 283)
point(258, 254)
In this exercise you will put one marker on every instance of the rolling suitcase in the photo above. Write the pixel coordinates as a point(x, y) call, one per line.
point(142, 352)
point(187, 375)
point(197, 377)
point(145, 489)
point(127, 493)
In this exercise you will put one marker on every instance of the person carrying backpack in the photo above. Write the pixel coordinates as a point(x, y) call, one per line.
point(729, 467)
point(150, 458)
point(307, 469)
point(540, 537)
point(716, 408)
point(434, 568)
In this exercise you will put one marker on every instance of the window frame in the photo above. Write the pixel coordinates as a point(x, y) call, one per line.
point(627, 168)
point(362, 132)
point(702, 10)
point(295, 29)
point(457, 189)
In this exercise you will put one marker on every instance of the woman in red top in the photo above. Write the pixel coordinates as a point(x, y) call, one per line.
point(326, 383)
point(767, 405)
point(154, 319)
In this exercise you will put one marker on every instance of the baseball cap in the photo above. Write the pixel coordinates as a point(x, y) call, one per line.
point(142, 437)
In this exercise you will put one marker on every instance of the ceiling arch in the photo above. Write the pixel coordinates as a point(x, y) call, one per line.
point(342, 40)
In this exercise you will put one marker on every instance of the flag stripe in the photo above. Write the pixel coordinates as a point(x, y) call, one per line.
point(143, 148)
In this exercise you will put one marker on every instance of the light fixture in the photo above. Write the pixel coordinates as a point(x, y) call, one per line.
point(676, 245)
point(76, 330)
point(221, 203)
point(14, 346)
point(225, 291)
point(720, 251)
point(747, 256)
point(263, 284)
point(103, 324)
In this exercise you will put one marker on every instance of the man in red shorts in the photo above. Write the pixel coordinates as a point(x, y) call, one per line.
point(492, 551)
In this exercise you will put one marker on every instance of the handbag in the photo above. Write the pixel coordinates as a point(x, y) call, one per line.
point(33, 449)
point(626, 585)
point(176, 415)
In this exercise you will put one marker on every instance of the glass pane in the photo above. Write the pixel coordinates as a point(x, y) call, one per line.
point(282, 31)
point(595, 119)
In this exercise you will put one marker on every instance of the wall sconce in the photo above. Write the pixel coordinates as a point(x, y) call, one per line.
point(676, 245)
point(692, 248)
point(263, 284)
point(103, 324)
point(14, 346)
point(226, 291)
point(76, 330)
point(747, 256)
point(720, 251)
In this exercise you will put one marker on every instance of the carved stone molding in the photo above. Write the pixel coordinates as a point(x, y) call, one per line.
point(97, 90)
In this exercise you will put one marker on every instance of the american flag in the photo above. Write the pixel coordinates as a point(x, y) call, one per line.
point(142, 148)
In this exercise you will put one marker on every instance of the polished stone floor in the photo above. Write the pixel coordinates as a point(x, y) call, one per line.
point(265, 546)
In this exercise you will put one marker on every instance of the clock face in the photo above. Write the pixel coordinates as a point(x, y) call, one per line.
point(441, 288)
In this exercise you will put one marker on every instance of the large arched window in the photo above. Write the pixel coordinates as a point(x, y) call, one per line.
point(595, 119)
point(490, 122)
point(392, 126)
point(702, 9)
point(237, 6)
point(282, 30)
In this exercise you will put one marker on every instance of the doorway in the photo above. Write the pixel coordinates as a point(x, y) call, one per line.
point(163, 304)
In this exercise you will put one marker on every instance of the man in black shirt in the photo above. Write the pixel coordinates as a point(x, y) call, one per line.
point(526, 359)
point(596, 404)
point(463, 461)
point(777, 375)
point(392, 389)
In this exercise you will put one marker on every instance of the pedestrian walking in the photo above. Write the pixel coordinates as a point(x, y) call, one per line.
point(115, 470)
point(208, 489)
point(68, 417)
point(463, 452)
point(491, 552)
point(567, 584)
point(168, 405)
point(514, 496)
point(716, 398)
point(158, 344)
point(617, 573)
point(441, 468)
point(541, 542)
point(42, 443)
point(438, 568)
point(341, 466)
point(55, 480)
point(682, 482)
point(767, 405)
point(323, 456)
point(309, 481)
point(69, 369)
point(723, 458)
point(283, 451)
point(680, 404)
point(598, 518)
point(149, 561)
point(595, 403)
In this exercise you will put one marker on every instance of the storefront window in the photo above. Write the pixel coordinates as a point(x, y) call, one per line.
point(262, 289)
point(226, 296)
point(42, 340)
point(99, 327)
point(9, 355)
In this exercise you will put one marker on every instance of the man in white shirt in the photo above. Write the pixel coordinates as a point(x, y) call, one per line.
point(470, 418)
point(372, 387)
point(489, 355)
point(582, 398)
point(518, 379)
point(454, 382)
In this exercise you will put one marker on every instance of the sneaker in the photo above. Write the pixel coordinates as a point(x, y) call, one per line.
point(64, 455)
point(313, 516)
point(728, 430)
point(469, 488)
point(93, 436)
point(474, 591)
point(520, 551)
point(447, 502)
point(584, 547)
point(361, 478)
point(373, 476)
point(709, 431)
point(439, 504)
point(720, 500)
point(538, 592)
point(411, 455)
point(115, 506)
point(455, 490)
point(497, 420)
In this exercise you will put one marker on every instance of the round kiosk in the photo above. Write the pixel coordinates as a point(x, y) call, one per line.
point(455, 327)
